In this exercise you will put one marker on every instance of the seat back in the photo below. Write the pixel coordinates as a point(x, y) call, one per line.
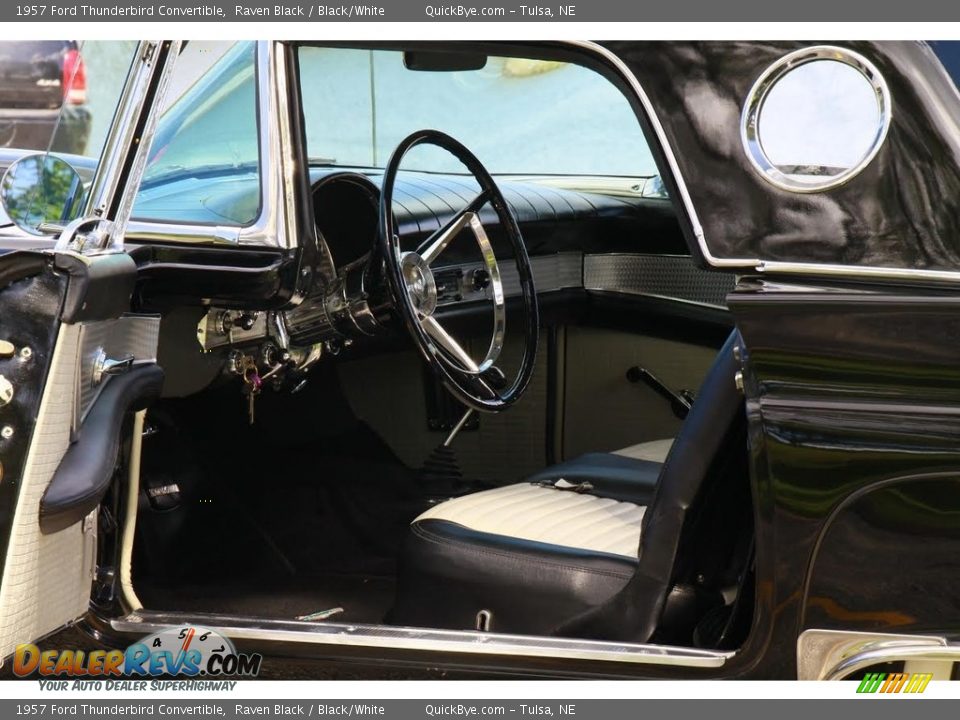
point(704, 445)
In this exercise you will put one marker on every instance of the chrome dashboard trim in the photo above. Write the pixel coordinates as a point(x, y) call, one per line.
point(670, 277)
point(551, 273)
point(143, 622)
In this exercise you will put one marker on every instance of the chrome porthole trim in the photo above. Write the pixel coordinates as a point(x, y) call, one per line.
point(750, 133)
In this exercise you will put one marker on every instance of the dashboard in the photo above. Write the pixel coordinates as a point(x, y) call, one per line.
point(589, 242)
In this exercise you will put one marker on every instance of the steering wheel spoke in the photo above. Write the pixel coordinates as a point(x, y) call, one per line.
point(446, 341)
point(433, 246)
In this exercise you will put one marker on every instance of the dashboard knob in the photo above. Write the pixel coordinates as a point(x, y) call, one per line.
point(481, 279)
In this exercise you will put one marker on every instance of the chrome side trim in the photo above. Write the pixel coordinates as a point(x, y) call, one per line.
point(858, 271)
point(550, 273)
point(813, 269)
point(144, 622)
point(835, 654)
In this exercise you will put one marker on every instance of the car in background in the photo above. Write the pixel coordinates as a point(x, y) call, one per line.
point(41, 82)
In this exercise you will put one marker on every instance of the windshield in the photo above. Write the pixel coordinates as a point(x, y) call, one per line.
point(519, 116)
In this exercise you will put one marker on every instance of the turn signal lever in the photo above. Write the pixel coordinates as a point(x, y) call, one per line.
point(680, 402)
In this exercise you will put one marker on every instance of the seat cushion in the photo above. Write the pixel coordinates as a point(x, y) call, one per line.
point(630, 474)
point(540, 514)
point(530, 556)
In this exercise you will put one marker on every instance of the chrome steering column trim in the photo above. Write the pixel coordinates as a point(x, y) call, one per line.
point(421, 639)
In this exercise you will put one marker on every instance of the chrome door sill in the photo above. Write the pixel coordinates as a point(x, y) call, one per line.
point(254, 629)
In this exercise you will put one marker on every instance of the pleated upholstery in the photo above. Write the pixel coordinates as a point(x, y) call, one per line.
point(543, 514)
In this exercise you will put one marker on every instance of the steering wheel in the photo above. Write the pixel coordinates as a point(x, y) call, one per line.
point(478, 385)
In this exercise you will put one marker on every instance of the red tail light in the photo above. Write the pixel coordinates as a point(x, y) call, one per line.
point(74, 78)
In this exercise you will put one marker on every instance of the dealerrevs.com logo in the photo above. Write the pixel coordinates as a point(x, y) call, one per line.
point(187, 651)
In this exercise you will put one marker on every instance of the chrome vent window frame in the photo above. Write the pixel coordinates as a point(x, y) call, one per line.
point(271, 228)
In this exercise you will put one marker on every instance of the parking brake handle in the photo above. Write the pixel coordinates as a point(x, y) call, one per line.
point(680, 402)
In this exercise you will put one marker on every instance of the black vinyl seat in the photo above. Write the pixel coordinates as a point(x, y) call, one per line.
point(590, 549)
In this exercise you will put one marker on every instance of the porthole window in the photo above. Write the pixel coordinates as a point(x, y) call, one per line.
point(815, 118)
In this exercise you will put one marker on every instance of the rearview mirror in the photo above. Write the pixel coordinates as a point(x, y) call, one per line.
point(41, 189)
point(440, 61)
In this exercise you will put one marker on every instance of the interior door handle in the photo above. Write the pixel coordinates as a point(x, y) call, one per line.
point(104, 366)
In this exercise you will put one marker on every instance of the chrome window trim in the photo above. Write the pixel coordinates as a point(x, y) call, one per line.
point(143, 148)
point(661, 136)
point(120, 138)
point(143, 622)
point(271, 227)
point(749, 118)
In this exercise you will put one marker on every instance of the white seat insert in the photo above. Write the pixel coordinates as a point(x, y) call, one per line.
point(654, 451)
point(542, 514)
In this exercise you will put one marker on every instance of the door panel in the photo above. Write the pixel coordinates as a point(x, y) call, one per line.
point(46, 578)
point(602, 410)
point(48, 381)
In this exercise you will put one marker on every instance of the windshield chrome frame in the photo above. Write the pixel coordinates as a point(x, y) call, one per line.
point(271, 228)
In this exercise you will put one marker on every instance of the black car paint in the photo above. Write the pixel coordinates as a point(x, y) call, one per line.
point(852, 391)
point(901, 211)
point(852, 401)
